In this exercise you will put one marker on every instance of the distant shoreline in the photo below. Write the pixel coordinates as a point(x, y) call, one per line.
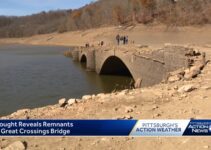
point(156, 35)
point(33, 44)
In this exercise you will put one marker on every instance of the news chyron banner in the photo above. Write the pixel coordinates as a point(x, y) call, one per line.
point(139, 128)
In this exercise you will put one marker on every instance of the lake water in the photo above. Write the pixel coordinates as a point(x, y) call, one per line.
point(36, 76)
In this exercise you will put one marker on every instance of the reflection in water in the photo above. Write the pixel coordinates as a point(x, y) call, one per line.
point(107, 83)
point(35, 76)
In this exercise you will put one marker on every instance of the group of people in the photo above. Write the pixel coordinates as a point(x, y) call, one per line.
point(123, 39)
point(101, 43)
point(120, 40)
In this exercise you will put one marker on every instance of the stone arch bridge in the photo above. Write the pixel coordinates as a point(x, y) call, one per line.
point(151, 66)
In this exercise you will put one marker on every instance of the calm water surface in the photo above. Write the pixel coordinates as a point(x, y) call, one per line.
point(36, 76)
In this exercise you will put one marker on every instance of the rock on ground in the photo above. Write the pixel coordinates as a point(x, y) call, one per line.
point(87, 97)
point(71, 101)
point(174, 78)
point(18, 145)
point(186, 88)
point(62, 102)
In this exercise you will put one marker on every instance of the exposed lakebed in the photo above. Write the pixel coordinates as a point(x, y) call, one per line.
point(36, 76)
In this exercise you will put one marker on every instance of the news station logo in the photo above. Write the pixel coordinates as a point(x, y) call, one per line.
point(200, 128)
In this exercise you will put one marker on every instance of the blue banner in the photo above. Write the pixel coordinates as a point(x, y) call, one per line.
point(66, 127)
point(105, 127)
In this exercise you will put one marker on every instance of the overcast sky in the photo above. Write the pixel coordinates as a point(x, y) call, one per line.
point(27, 7)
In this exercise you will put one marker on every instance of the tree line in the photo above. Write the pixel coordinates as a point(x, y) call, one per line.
point(109, 12)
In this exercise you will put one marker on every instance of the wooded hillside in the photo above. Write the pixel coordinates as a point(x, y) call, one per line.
point(109, 12)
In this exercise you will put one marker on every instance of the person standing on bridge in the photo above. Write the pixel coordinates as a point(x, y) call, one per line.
point(126, 40)
point(118, 39)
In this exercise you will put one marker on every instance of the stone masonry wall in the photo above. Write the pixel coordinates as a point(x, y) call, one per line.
point(150, 67)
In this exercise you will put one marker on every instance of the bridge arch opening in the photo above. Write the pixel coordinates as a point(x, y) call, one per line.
point(83, 59)
point(115, 66)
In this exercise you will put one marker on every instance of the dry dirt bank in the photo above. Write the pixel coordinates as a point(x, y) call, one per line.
point(147, 35)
